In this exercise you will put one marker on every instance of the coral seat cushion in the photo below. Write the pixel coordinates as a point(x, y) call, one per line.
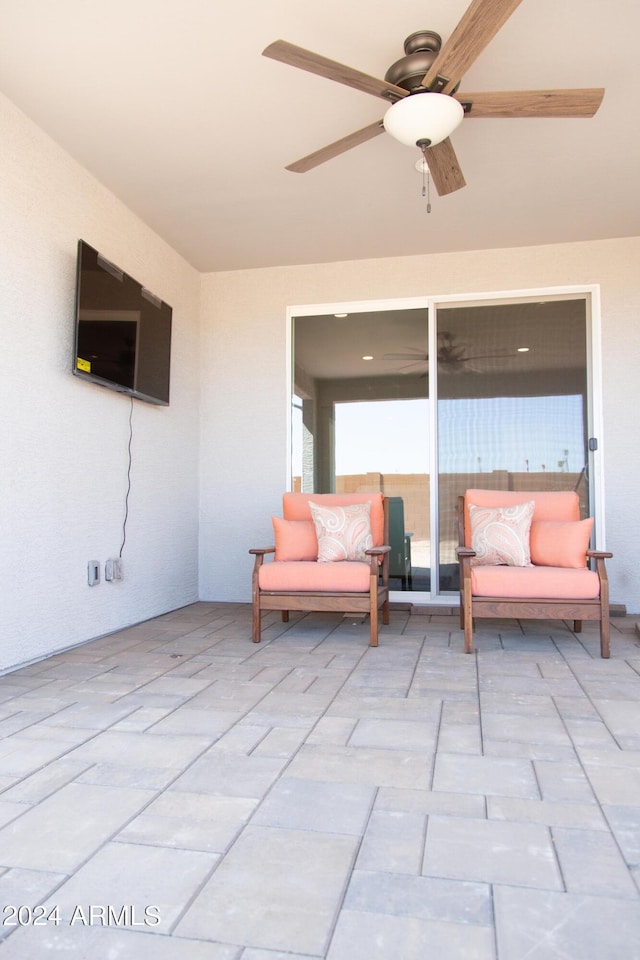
point(343, 576)
point(541, 583)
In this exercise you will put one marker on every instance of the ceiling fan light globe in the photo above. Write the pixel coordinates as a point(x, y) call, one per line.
point(423, 116)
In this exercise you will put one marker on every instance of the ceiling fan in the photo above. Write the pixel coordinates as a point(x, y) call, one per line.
point(425, 81)
point(451, 357)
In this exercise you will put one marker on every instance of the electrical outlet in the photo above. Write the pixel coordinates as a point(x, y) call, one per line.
point(113, 569)
point(93, 572)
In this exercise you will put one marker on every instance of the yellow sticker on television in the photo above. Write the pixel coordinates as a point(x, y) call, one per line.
point(83, 365)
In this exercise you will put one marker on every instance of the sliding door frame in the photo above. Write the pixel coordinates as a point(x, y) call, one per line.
point(591, 295)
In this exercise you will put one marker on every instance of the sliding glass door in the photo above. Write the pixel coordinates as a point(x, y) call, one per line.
point(422, 402)
point(361, 422)
point(513, 405)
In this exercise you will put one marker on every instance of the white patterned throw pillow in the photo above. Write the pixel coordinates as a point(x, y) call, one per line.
point(500, 535)
point(344, 533)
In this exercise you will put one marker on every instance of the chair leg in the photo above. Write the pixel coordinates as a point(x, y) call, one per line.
point(604, 638)
point(373, 626)
point(466, 606)
point(604, 610)
point(466, 620)
point(468, 635)
point(256, 621)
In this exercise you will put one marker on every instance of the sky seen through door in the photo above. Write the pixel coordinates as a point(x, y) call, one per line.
point(479, 435)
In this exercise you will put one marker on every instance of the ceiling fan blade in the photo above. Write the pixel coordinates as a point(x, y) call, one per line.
point(533, 103)
point(486, 356)
point(416, 357)
point(335, 149)
point(444, 168)
point(478, 26)
point(416, 365)
point(315, 63)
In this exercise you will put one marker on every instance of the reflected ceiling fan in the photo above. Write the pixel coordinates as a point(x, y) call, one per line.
point(452, 357)
point(422, 90)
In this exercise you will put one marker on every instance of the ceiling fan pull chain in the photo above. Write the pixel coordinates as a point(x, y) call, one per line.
point(423, 168)
point(426, 186)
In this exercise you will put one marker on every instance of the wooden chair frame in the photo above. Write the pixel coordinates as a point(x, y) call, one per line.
point(529, 608)
point(377, 597)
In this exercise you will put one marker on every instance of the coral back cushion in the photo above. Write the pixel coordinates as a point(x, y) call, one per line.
point(295, 539)
point(557, 544)
point(549, 505)
point(295, 506)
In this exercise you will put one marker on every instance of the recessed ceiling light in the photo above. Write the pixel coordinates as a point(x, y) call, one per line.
point(341, 316)
point(523, 349)
point(367, 357)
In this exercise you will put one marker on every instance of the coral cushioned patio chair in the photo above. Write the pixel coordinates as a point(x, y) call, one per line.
point(525, 555)
point(331, 553)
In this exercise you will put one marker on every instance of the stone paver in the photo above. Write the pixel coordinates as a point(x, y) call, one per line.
point(543, 925)
point(311, 805)
point(276, 889)
point(485, 775)
point(380, 936)
point(491, 851)
point(139, 877)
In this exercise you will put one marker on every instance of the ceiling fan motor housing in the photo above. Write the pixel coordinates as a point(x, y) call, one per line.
point(421, 49)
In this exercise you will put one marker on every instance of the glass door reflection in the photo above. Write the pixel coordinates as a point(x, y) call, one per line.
point(398, 465)
point(513, 405)
point(360, 422)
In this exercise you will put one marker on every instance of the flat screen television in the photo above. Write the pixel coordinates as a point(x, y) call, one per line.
point(122, 331)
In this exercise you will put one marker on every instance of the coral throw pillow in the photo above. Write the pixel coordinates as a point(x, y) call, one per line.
point(344, 533)
point(500, 535)
point(558, 544)
point(295, 539)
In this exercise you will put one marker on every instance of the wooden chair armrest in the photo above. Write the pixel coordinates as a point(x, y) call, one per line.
point(462, 552)
point(377, 551)
point(601, 568)
point(377, 567)
point(259, 553)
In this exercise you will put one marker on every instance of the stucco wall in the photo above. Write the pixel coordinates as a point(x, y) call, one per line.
point(244, 367)
point(63, 442)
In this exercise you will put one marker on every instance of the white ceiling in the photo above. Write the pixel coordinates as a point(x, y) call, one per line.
point(171, 105)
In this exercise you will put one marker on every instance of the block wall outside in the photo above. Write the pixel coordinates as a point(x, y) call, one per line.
point(415, 490)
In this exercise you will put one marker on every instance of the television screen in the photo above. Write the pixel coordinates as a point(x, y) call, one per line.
point(123, 332)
